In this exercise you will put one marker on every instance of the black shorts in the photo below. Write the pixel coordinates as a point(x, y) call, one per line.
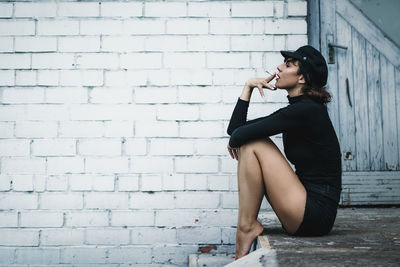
point(320, 212)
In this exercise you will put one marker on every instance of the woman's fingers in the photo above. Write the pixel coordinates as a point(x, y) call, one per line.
point(270, 78)
point(269, 86)
point(260, 88)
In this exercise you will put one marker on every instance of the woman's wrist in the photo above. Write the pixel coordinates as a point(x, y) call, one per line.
point(246, 93)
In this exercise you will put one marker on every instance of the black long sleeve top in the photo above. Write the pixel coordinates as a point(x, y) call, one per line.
point(309, 139)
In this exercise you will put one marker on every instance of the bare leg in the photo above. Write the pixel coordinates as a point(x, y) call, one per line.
point(262, 168)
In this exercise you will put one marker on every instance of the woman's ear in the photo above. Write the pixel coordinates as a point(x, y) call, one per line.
point(301, 79)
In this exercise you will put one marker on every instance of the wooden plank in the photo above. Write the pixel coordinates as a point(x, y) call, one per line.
point(369, 30)
point(328, 27)
point(313, 27)
point(390, 145)
point(360, 102)
point(397, 91)
point(346, 111)
point(374, 108)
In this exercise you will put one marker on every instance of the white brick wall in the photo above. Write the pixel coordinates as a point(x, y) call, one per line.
point(113, 121)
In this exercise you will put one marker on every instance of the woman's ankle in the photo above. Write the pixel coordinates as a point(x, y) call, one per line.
point(249, 226)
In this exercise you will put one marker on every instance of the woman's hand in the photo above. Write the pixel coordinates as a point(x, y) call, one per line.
point(261, 83)
point(234, 152)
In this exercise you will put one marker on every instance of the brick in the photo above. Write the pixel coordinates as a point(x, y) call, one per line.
point(81, 77)
point(107, 236)
point(155, 95)
point(184, 60)
point(14, 147)
point(173, 182)
point(7, 77)
point(48, 77)
point(197, 165)
point(16, 200)
point(24, 182)
point(151, 165)
point(187, 26)
point(84, 255)
point(228, 165)
point(208, 9)
point(208, 43)
point(52, 61)
point(201, 129)
point(35, 219)
point(164, 9)
point(211, 146)
point(5, 182)
point(66, 95)
point(215, 112)
point(286, 26)
point(191, 77)
point(17, 27)
point(6, 10)
point(86, 218)
point(57, 27)
point(151, 183)
point(12, 112)
point(113, 112)
point(198, 94)
point(203, 235)
point(233, 77)
point(137, 254)
point(7, 129)
point(37, 255)
point(252, 9)
point(35, 44)
point(15, 61)
point(228, 235)
point(106, 200)
point(158, 77)
point(228, 60)
point(177, 112)
point(129, 218)
point(123, 43)
point(28, 10)
point(296, 41)
point(136, 146)
point(23, 166)
point(62, 237)
point(46, 112)
point(97, 27)
point(232, 26)
point(177, 218)
point(219, 218)
point(252, 43)
point(61, 165)
point(153, 235)
point(165, 43)
point(156, 129)
point(258, 26)
point(8, 219)
point(195, 200)
point(141, 61)
point(144, 26)
point(84, 182)
point(106, 165)
point(297, 8)
point(122, 78)
point(27, 77)
point(118, 129)
point(171, 147)
point(22, 96)
point(128, 182)
point(100, 147)
point(110, 9)
point(279, 42)
point(158, 200)
point(57, 201)
point(110, 95)
point(97, 61)
point(81, 129)
point(78, 9)
point(19, 237)
point(279, 8)
point(175, 254)
point(7, 254)
point(57, 183)
point(195, 182)
point(218, 182)
point(79, 44)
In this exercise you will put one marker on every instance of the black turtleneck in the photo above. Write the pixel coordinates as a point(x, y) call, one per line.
point(309, 139)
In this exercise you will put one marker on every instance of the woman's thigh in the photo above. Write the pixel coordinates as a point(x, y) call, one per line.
point(286, 193)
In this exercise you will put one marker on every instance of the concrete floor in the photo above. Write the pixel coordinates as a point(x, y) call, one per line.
point(360, 237)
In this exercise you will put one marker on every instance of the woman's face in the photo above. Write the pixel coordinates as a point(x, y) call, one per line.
point(287, 76)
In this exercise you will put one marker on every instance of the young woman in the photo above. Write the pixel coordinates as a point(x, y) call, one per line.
point(305, 201)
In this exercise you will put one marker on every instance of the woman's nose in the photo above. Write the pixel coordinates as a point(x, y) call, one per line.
point(279, 68)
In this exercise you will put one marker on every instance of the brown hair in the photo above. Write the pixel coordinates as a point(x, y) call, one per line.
point(320, 95)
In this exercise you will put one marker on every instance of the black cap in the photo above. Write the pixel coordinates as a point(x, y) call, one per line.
point(313, 64)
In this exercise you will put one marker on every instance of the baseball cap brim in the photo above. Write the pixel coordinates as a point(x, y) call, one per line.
point(292, 54)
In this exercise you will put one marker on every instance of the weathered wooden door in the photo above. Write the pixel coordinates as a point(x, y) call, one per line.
point(364, 79)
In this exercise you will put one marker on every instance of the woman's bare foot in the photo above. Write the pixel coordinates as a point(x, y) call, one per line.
point(245, 236)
